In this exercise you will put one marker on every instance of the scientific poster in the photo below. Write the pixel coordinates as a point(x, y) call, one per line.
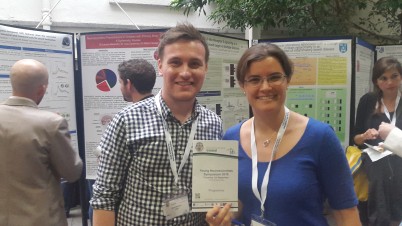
point(101, 54)
point(56, 52)
point(221, 92)
point(389, 50)
point(321, 84)
point(364, 62)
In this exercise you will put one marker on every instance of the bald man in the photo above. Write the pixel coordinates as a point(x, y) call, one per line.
point(35, 152)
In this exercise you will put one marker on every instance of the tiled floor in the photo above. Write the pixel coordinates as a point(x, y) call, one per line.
point(75, 218)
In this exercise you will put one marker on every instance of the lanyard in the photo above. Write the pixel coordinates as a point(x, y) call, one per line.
point(393, 120)
point(264, 185)
point(169, 143)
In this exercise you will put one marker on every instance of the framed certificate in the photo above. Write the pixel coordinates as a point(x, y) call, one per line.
point(215, 174)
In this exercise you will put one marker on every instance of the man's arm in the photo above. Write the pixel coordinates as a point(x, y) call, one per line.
point(103, 218)
point(112, 168)
point(63, 157)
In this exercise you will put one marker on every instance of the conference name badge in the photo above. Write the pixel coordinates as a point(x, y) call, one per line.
point(175, 206)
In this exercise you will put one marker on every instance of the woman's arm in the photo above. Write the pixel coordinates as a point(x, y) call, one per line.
point(347, 217)
point(370, 134)
point(364, 110)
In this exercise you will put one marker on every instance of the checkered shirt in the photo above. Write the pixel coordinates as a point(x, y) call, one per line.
point(139, 128)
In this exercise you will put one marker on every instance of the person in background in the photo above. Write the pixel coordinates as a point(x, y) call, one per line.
point(137, 79)
point(146, 163)
point(392, 137)
point(384, 175)
point(289, 165)
point(35, 152)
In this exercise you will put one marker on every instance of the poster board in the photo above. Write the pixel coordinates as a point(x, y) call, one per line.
point(364, 62)
point(100, 53)
point(321, 84)
point(56, 51)
point(389, 50)
point(221, 92)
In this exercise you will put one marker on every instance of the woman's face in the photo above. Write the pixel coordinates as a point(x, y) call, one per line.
point(265, 85)
point(390, 81)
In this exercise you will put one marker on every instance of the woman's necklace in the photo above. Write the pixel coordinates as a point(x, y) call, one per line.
point(268, 141)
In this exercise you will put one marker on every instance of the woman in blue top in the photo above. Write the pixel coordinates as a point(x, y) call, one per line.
point(288, 164)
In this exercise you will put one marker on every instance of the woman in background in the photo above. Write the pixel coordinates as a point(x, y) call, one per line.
point(288, 164)
point(384, 175)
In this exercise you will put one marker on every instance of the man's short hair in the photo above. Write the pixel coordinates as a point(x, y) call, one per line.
point(140, 72)
point(186, 32)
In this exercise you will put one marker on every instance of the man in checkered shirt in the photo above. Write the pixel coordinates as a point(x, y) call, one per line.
point(146, 165)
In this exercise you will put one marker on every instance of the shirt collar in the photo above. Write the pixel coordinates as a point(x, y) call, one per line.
point(167, 113)
point(151, 95)
point(20, 101)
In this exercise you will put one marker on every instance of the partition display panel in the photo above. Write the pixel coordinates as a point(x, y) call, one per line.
point(56, 51)
point(321, 84)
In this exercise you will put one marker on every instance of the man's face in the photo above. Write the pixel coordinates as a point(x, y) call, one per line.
point(125, 90)
point(183, 68)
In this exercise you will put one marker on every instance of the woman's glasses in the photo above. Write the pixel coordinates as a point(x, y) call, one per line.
point(273, 80)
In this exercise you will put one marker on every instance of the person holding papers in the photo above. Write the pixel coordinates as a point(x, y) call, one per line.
point(392, 137)
point(289, 165)
point(145, 166)
point(385, 174)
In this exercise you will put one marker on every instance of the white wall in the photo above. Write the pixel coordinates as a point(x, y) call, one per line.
point(103, 15)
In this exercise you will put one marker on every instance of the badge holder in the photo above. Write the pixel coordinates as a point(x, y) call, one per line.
point(260, 221)
point(175, 205)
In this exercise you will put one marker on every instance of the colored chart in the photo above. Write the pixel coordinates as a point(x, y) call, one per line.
point(105, 79)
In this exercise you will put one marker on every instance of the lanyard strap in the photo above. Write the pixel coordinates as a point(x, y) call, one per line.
point(393, 120)
point(264, 186)
point(169, 143)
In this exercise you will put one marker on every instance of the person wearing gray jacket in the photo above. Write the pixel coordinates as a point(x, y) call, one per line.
point(35, 152)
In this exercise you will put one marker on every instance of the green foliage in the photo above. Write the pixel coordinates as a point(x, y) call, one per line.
point(305, 17)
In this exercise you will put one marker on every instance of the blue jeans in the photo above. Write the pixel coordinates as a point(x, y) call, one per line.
point(90, 183)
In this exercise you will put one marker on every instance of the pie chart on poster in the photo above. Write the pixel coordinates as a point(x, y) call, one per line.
point(105, 80)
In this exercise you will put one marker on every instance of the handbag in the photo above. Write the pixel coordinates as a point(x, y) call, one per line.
point(360, 181)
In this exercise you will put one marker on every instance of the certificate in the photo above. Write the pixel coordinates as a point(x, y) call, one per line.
point(215, 172)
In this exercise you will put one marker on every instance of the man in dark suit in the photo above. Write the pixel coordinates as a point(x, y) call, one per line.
point(35, 152)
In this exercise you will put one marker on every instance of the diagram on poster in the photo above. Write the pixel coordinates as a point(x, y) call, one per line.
point(105, 79)
point(55, 51)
